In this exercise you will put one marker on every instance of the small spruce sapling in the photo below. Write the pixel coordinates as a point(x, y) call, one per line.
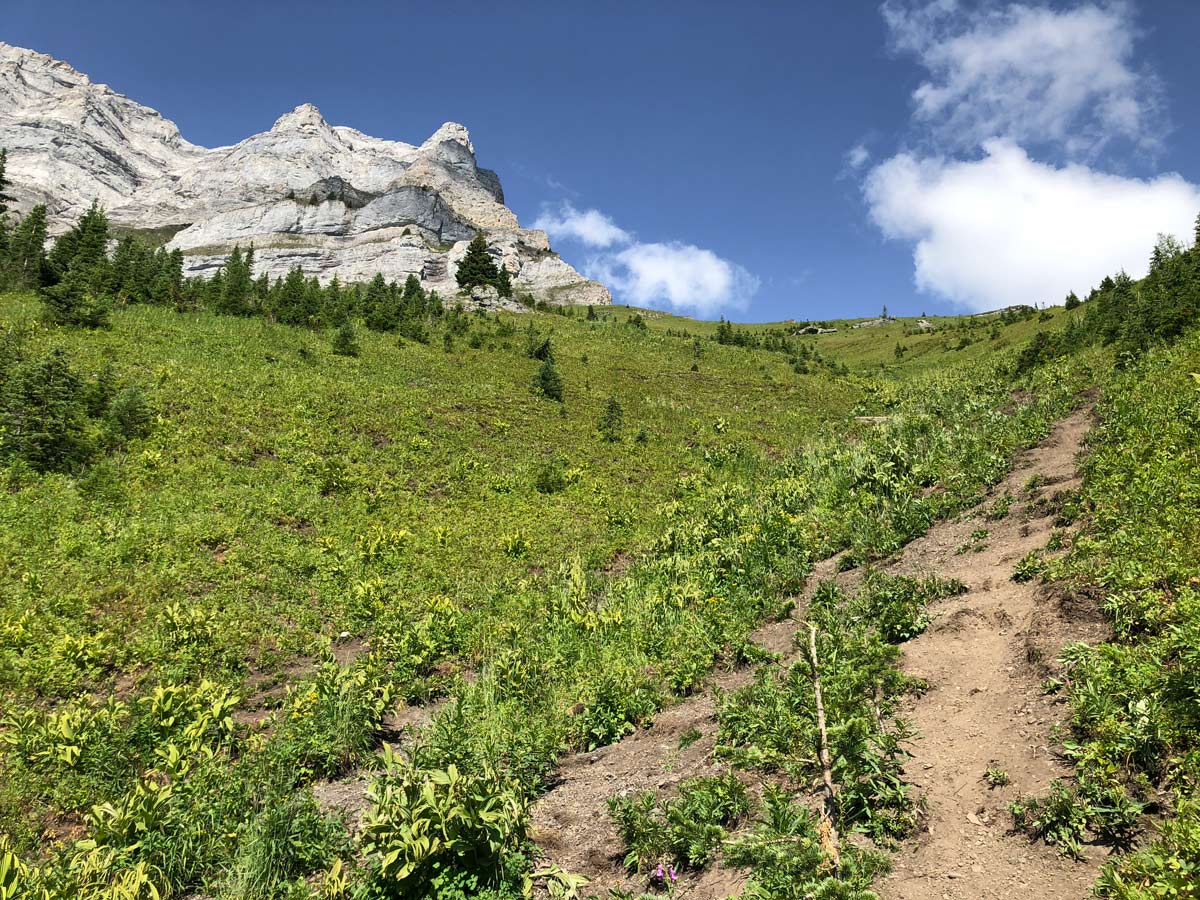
point(548, 382)
point(612, 420)
point(345, 341)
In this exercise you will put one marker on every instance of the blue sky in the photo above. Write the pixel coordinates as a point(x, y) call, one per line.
point(762, 161)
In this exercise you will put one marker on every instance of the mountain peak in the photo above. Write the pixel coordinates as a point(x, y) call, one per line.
point(24, 58)
point(451, 131)
point(304, 116)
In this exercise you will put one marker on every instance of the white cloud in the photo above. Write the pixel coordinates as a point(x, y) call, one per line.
point(682, 276)
point(1005, 229)
point(589, 226)
point(1032, 74)
point(857, 156)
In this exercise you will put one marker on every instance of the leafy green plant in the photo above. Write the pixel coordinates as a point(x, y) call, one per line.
point(995, 777)
point(424, 828)
point(1030, 566)
point(1000, 507)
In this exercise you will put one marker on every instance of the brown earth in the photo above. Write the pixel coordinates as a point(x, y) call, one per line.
point(984, 656)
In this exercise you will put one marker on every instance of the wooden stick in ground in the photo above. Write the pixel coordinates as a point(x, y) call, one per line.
point(828, 831)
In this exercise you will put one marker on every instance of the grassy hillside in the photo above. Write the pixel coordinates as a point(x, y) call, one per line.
point(202, 622)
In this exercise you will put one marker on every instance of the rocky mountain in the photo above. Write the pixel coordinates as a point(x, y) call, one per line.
point(325, 197)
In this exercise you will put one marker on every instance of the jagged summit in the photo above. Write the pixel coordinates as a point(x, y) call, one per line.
point(327, 198)
point(303, 116)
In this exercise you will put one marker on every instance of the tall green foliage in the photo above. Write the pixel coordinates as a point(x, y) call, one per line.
point(25, 265)
point(477, 266)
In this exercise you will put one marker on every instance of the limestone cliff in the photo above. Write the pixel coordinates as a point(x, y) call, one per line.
point(325, 197)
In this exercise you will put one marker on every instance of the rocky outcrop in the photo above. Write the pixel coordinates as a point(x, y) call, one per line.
point(327, 198)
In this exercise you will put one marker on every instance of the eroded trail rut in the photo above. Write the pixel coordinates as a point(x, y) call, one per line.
point(984, 656)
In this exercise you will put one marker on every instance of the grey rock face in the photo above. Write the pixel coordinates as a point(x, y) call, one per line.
point(327, 198)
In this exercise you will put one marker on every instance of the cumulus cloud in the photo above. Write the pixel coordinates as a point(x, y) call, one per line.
point(1006, 229)
point(679, 276)
point(589, 226)
point(682, 276)
point(1032, 74)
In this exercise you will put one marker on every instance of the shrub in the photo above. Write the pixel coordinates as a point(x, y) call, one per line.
point(612, 420)
point(550, 477)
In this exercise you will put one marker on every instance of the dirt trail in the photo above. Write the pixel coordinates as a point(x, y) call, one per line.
point(571, 823)
point(985, 657)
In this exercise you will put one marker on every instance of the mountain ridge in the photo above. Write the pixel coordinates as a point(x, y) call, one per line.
point(327, 198)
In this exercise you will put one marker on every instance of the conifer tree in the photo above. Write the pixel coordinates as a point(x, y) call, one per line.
point(548, 382)
point(612, 420)
point(4, 197)
point(42, 415)
point(333, 303)
point(477, 267)
point(504, 282)
point(237, 284)
point(345, 342)
point(85, 245)
point(380, 309)
point(292, 301)
point(26, 260)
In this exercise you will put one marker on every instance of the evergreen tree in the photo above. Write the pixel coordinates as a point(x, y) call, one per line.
point(167, 287)
point(381, 311)
point(294, 303)
point(548, 382)
point(1072, 301)
point(591, 313)
point(4, 197)
point(345, 341)
point(85, 245)
point(42, 416)
point(504, 282)
point(612, 420)
point(477, 267)
point(25, 265)
point(78, 298)
point(123, 270)
point(333, 304)
point(238, 284)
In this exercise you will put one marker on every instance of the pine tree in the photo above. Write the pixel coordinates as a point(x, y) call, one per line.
point(333, 303)
point(5, 198)
point(548, 382)
point(238, 284)
point(591, 313)
point(294, 299)
point(1072, 301)
point(612, 420)
point(86, 245)
point(42, 415)
point(345, 342)
point(77, 299)
point(504, 282)
point(381, 312)
point(477, 267)
point(26, 260)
